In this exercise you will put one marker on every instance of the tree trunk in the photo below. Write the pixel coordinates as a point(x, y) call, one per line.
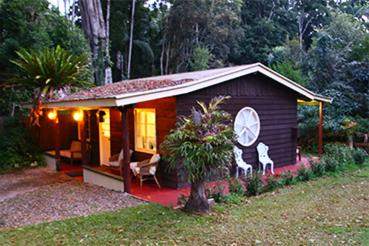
point(73, 11)
point(93, 25)
point(131, 39)
point(197, 202)
point(162, 59)
point(108, 72)
point(351, 141)
point(65, 9)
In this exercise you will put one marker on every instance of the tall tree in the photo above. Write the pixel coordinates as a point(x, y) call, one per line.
point(191, 24)
point(309, 15)
point(145, 39)
point(94, 26)
point(333, 72)
point(265, 24)
point(108, 70)
point(132, 25)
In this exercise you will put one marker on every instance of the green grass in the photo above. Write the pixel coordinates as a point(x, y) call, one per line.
point(330, 210)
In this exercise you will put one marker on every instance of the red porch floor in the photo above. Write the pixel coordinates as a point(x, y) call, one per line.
point(169, 196)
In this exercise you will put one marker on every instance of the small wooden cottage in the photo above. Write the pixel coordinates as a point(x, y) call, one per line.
point(136, 115)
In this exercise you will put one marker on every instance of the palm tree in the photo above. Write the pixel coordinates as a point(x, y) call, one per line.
point(48, 71)
point(203, 143)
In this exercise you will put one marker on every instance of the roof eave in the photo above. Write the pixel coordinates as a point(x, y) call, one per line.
point(87, 103)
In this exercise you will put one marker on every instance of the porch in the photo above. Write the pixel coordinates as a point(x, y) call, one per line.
point(106, 136)
point(110, 178)
point(165, 196)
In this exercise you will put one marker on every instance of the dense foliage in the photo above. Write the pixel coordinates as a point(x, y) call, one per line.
point(17, 146)
point(31, 24)
point(310, 42)
point(321, 44)
point(202, 142)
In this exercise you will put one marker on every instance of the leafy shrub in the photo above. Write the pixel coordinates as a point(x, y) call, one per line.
point(330, 163)
point(17, 147)
point(235, 187)
point(272, 184)
point(359, 156)
point(217, 193)
point(304, 174)
point(342, 153)
point(287, 178)
point(233, 198)
point(254, 185)
point(317, 168)
point(289, 70)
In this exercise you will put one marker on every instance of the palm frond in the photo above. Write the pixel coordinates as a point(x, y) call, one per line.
point(48, 70)
point(203, 106)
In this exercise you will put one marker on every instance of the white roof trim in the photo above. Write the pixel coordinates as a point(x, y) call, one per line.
point(135, 97)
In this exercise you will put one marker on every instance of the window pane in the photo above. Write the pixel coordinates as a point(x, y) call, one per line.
point(139, 142)
point(145, 130)
point(151, 131)
point(141, 117)
point(150, 118)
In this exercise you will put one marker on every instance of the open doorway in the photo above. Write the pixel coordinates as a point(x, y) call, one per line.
point(104, 136)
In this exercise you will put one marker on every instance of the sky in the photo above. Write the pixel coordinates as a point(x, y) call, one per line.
point(60, 3)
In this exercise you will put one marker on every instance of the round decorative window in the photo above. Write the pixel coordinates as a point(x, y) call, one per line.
point(247, 126)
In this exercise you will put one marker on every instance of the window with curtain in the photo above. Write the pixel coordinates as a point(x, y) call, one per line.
point(145, 130)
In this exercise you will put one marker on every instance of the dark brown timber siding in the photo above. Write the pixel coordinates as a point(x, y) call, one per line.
point(275, 104)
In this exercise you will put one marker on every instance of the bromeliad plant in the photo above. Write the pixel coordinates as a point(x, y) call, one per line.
point(203, 142)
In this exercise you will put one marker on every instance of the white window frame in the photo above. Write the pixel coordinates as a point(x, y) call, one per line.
point(145, 149)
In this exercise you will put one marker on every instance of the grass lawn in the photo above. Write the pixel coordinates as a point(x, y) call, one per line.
point(331, 210)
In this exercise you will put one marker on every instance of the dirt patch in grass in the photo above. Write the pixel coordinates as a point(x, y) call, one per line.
point(328, 211)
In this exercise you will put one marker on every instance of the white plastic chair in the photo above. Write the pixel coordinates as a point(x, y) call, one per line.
point(264, 158)
point(241, 164)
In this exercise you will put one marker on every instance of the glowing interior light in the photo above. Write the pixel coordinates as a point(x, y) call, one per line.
point(78, 116)
point(51, 115)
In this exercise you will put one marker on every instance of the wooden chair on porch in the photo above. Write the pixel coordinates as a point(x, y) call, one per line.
point(147, 168)
point(114, 160)
point(73, 153)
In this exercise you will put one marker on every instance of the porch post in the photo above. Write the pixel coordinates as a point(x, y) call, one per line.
point(124, 167)
point(57, 142)
point(320, 141)
point(83, 140)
